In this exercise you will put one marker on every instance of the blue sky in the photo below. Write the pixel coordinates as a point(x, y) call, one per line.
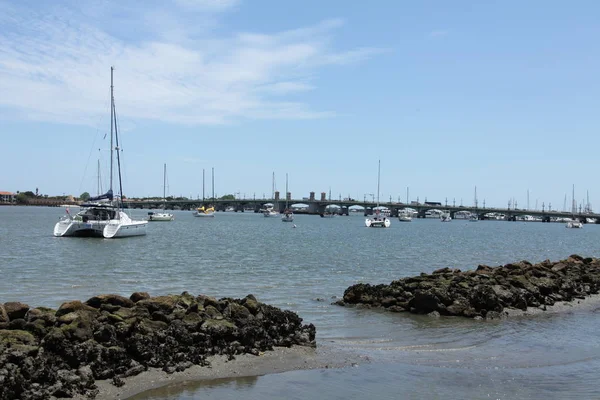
point(449, 95)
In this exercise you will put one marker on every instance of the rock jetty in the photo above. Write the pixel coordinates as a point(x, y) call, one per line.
point(61, 353)
point(487, 292)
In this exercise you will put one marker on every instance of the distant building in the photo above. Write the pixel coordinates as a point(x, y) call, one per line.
point(8, 197)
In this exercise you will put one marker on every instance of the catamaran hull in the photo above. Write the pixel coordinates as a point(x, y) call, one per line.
point(118, 229)
point(371, 223)
point(79, 229)
point(404, 219)
point(161, 217)
point(205, 215)
point(287, 218)
point(270, 214)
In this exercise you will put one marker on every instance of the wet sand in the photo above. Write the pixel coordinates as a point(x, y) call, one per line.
point(276, 361)
point(589, 303)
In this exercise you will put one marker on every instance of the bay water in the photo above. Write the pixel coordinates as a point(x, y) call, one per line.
point(307, 267)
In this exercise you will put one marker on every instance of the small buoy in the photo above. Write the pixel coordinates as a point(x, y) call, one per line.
point(294, 226)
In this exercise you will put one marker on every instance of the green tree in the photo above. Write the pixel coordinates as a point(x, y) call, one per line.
point(22, 198)
point(228, 197)
point(84, 196)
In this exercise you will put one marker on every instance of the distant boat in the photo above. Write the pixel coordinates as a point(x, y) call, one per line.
point(162, 216)
point(473, 218)
point(445, 217)
point(327, 213)
point(404, 216)
point(288, 215)
point(378, 220)
point(206, 210)
point(574, 223)
point(272, 211)
point(103, 216)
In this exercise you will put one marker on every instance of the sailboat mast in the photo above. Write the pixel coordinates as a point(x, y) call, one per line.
point(573, 206)
point(99, 182)
point(286, 191)
point(213, 183)
point(378, 177)
point(165, 183)
point(112, 112)
point(203, 184)
point(407, 195)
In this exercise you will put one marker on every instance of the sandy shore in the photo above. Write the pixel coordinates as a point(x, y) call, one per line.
point(276, 361)
point(590, 303)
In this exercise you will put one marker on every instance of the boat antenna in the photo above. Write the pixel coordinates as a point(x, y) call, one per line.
point(165, 185)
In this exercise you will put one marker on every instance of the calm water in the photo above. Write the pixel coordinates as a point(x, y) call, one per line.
point(554, 357)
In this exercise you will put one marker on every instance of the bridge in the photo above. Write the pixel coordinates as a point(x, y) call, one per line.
point(318, 206)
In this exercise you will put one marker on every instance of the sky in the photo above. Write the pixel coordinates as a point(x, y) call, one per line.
point(502, 96)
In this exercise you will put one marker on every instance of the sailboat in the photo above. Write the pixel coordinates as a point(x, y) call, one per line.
point(378, 220)
point(102, 216)
point(288, 215)
point(206, 210)
point(328, 212)
point(162, 216)
point(574, 223)
point(273, 210)
point(474, 217)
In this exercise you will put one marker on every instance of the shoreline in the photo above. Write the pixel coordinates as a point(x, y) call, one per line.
point(283, 359)
point(279, 360)
point(589, 303)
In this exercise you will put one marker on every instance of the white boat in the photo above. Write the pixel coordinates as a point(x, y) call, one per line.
point(574, 222)
point(473, 218)
point(272, 210)
point(445, 217)
point(206, 211)
point(162, 216)
point(89, 222)
point(378, 220)
point(288, 215)
point(106, 218)
point(405, 216)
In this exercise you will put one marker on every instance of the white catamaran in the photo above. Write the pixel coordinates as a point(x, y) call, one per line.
point(103, 216)
point(378, 219)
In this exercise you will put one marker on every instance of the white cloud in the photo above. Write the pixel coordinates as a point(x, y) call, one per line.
point(54, 66)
